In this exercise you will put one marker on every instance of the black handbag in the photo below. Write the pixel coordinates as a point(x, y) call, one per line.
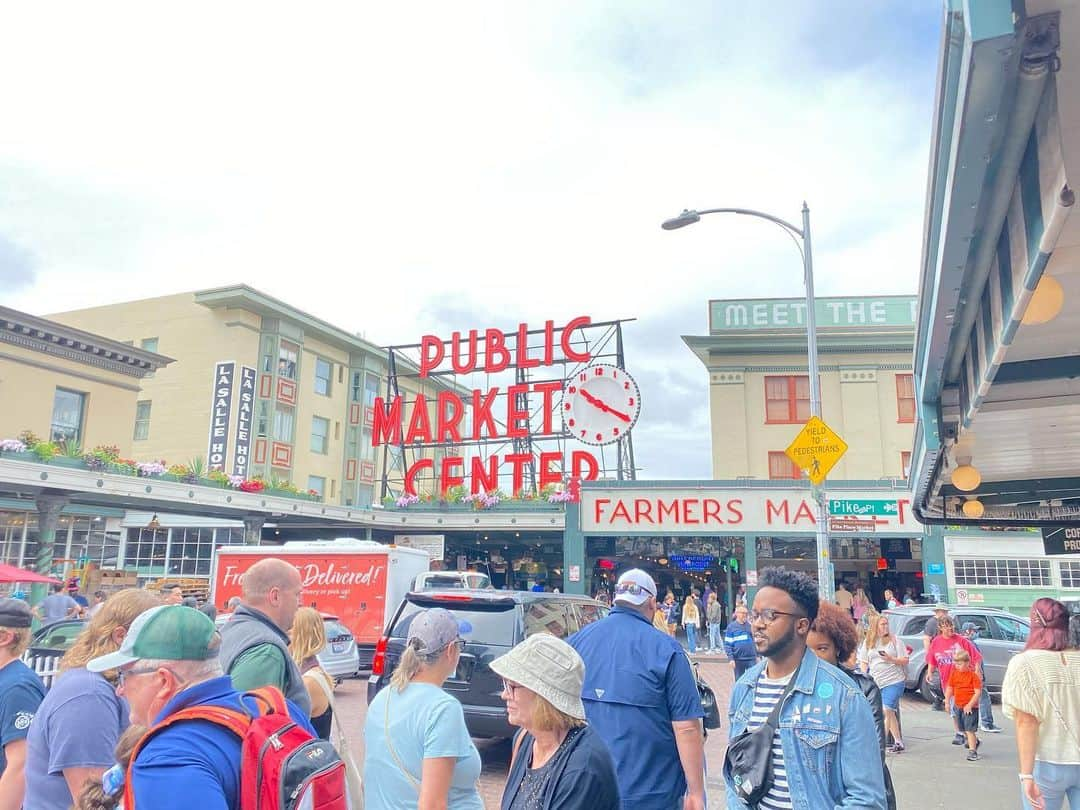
point(709, 706)
point(748, 761)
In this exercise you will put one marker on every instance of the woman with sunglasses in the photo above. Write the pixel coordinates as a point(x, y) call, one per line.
point(1041, 693)
point(557, 760)
point(418, 753)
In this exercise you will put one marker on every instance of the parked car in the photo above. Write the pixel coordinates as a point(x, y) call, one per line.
point(340, 657)
point(48, 645)
point(1001, 636)
point(494, 622)
point(444, 580)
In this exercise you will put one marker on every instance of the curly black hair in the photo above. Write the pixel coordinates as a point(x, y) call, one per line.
point(835, 622)
point(800, 587)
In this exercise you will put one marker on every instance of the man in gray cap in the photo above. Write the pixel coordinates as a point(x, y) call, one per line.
point(641, 696)
point(21, 692)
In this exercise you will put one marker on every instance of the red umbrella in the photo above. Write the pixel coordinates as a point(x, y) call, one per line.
point(9, 573)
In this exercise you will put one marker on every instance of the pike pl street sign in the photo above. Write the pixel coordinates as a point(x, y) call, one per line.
point(816, 449)
point(844, 507)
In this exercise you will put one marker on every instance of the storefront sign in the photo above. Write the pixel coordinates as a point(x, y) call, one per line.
point(220, 416)
point(433, 544)
point(690, 511)
point(575, 573)
point(751, 577)
point(245, 412)
point(790, 313)
point(936, 569)
point(692, 562)
point(497, 416)
point(1061, 540)
point(896, 548)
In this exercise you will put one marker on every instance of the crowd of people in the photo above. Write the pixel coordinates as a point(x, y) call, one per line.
point(145, 707)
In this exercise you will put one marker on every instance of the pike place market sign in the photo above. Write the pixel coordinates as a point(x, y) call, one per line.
point(726, 511)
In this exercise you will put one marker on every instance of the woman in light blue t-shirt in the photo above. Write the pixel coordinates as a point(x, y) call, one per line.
point(417, 750)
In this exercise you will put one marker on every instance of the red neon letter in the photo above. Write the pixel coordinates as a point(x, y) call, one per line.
point(519, 460)
point(689, 507)
point(449, 410)
point(432, 352)
point(642, 510)
point(481, 413)
point(712, 511)
point(517, 419)
point(420, 423)
point(568, 336)
point(482, 480)
point(735, 507)
point(548, 476)
point(583, 458)
point(772, 510)
point(523, 360)
point(597, 508)
point(387, 428)
point(449, 479)
point(455, 352)
point(620, 512)
point(548, 389)
point(496, 356)
point(413, 470)
point(549, 342)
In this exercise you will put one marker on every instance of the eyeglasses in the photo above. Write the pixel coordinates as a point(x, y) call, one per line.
point(633, 589)
point(768, 615)
point(510, 687)
point(127, 673)
point(460, 644)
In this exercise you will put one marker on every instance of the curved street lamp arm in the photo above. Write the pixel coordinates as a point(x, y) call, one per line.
point(750, 212)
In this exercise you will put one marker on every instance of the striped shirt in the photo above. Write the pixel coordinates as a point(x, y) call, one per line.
point(767, 693)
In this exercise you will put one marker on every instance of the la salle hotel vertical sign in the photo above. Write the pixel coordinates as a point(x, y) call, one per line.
point(245, 411)
point(220, 415)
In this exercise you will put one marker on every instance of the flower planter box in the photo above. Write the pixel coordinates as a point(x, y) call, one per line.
point(67, 461)
point(27, 456)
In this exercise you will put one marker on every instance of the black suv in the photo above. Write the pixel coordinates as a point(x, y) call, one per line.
point(498, 621)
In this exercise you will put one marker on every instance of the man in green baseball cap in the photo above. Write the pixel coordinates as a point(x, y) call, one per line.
point(167, 662)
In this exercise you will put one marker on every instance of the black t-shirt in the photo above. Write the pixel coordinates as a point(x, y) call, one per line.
point(931, 628)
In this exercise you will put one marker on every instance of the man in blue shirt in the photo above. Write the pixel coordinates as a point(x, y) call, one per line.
point(739, 642)
point(640, 695)
point(21, 692)
point(169, 661)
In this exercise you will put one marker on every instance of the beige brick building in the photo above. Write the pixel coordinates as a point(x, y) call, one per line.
point(259, 388)
point(759, 393)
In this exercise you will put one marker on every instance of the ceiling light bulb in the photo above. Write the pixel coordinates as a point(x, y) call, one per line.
point(966, 478)
point(1045, 303)
point(973, 508)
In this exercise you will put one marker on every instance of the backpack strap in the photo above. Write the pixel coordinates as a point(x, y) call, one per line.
point(270, 700)
point(236, 722)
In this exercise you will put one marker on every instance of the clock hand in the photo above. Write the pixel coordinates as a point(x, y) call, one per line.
point(599, 403)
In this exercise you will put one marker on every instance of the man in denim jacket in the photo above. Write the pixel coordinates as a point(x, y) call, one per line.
point(825, 751)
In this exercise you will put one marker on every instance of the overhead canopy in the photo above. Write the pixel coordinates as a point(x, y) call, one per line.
point(998, 391)
point(9, 573)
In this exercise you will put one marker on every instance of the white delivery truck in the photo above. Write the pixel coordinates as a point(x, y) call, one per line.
point(359, 581)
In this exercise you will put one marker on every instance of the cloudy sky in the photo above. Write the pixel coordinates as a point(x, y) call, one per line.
point(400, 169)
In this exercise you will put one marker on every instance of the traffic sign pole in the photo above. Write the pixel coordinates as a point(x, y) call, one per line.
point(821, 533)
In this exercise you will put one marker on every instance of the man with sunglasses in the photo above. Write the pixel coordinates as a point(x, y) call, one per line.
point(168, 661)
point(825, 748)
point(640, 695)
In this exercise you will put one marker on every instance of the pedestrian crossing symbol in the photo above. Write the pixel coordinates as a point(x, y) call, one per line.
point(816, 449)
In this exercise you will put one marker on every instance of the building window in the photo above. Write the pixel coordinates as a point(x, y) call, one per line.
point(147, 550)
point(67, 416)
point(1029, 573)
point(780, 466)
point(142, 420)
point(905, 463)
point(787, 399)
point(357, 389)
point(283, 424)
point(324, 372)
point(1070, 574)
point(905, 398)
point(262, 418)
point(268, 354)
point(371, 389)
point(287, 357)
point(320, 435)
point(316, 483)
point(149, 344)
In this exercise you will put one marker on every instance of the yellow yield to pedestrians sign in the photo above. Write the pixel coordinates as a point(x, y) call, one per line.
point(816, 449)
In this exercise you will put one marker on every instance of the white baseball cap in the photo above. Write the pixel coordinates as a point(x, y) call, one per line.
point(626, 592)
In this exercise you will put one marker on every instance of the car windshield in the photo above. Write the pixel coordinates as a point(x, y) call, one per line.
point(485, 623)
point(336, 631)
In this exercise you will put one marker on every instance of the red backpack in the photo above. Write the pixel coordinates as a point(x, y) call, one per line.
point(282, 767)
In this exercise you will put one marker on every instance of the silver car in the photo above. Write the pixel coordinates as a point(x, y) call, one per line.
point(1001, 635)
point(339, 658)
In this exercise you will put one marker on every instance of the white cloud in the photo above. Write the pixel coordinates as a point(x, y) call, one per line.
point(368, 162)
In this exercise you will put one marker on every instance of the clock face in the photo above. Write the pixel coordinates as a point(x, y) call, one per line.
point(601, 404)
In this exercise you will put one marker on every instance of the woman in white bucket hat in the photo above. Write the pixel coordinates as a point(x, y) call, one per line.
point(557, 761)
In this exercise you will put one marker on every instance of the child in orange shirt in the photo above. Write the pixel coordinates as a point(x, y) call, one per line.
point(964, 687)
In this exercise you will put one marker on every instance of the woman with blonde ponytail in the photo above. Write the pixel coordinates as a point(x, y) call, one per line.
point(418, 752)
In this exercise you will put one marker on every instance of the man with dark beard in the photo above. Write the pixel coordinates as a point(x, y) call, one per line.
point(825, 748)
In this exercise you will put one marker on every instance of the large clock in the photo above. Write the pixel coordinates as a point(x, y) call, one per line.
point(601, 404)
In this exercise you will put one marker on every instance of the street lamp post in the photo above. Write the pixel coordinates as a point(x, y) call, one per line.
point(821, 533)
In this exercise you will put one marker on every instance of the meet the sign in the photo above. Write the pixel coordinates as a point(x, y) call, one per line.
point(1061, 540)
point(782, 313)
point(220, 415)
point(245, 412)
